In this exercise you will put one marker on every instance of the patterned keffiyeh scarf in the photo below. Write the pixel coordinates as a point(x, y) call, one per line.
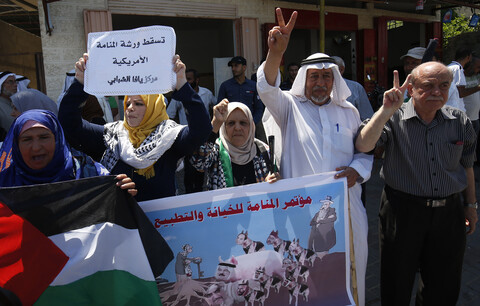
point(118, 145)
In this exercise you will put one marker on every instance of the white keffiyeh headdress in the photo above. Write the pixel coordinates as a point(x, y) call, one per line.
point(340, 91)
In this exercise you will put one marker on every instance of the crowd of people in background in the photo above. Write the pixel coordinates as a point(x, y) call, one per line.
point(321, 122)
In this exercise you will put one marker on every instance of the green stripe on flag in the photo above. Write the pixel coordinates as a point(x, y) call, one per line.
point(103, 288)
point(226, 163)
point(114, 252)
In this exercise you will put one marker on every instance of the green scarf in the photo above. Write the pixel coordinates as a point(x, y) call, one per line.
point(226, 164)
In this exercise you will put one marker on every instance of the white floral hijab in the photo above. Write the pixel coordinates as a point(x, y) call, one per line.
point(244, 154)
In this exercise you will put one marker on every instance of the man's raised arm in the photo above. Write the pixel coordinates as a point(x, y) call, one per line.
point(278, 38)
point(465, 92)
point(392, 100)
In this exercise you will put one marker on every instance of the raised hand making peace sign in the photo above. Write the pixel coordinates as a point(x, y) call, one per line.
point(393, 98)
point(279, 36)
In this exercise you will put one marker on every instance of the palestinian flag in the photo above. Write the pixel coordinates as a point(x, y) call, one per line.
point(78, 242)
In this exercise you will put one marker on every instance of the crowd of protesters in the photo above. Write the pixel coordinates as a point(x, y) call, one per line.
point(321, 122)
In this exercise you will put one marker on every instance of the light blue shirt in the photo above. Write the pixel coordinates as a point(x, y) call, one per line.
point(359, 99)
point(176, 107)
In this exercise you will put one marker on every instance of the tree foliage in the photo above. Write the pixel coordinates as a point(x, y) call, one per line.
point(458, 26)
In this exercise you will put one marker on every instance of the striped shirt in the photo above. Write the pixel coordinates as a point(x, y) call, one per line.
point(427, 160)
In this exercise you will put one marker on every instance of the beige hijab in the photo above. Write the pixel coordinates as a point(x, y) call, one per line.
point(244, 154)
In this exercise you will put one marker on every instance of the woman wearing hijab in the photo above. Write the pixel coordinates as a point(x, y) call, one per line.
point(146, 145)
point(35, 152)
point(236, 157)
point(31, 99)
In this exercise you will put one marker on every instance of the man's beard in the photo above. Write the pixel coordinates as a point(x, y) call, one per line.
point(8, 93)
point(319, 99)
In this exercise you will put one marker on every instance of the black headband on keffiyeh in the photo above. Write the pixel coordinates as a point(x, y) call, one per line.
point(4, 74)
point(316, 60)
point(340, 90)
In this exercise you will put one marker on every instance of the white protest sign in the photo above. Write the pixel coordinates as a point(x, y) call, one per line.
point(130, 62)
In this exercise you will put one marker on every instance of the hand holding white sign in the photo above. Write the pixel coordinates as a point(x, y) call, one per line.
point(80, 67)
point(179, 69)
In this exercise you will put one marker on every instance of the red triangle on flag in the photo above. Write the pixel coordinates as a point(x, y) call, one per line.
point(29, 260)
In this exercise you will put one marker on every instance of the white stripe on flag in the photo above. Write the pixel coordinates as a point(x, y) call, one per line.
point(101, 247)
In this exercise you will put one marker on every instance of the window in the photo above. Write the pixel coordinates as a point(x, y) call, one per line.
point(393, 24)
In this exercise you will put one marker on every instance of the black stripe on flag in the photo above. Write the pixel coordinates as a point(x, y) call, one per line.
point(60, 207)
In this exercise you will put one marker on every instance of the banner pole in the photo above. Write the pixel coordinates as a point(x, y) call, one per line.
point(353, 270)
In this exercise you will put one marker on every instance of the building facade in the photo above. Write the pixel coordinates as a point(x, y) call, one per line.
point(207, 29)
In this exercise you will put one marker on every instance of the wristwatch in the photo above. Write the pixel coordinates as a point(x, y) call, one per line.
point(474, 205)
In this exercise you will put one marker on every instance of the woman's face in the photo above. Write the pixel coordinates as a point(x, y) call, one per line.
point(237, 127)
point(135, 110)
point(37, 146)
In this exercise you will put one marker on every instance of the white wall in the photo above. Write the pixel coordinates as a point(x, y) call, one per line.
point(67, 43)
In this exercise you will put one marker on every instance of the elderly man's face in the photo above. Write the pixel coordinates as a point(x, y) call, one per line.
point(430, 90)
point(318, 85)
point(409, 63)
point(9, 87)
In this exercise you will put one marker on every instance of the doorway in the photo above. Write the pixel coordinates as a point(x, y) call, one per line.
point(198, 40)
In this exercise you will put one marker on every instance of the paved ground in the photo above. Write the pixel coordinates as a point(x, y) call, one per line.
point(470, 291)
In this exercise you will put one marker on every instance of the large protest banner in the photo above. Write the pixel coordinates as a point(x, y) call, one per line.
point(80, 242)
point(271, 244)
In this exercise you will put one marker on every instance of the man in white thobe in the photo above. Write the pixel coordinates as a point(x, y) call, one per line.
point(317, 127)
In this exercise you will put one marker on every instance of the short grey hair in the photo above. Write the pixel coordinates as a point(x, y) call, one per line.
point(339, 61)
